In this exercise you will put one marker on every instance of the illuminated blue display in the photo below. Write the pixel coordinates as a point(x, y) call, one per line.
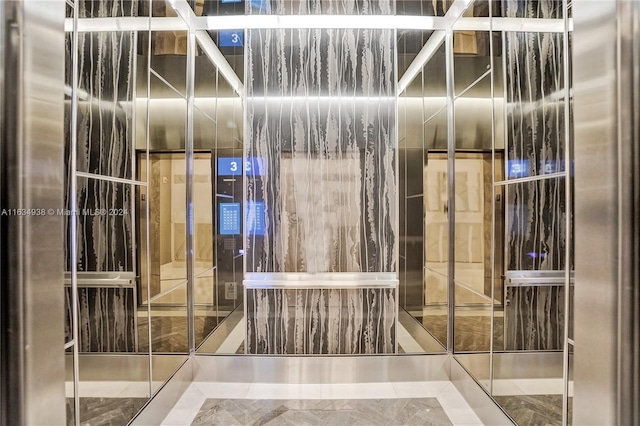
point(229, 218)
point(260, 4)
point(517, 168)
point(255, 218)
point(254, 166)
point(230, 166)
point(231, 1)
point(231, 38)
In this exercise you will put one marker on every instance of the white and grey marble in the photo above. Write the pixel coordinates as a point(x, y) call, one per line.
point(106, 319)
point(321, 113)
point(321, 321)
point(535, 145)
point(322, 7)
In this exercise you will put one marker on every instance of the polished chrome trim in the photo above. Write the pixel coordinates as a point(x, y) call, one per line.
point(219, 61)
point(531, 178)
point(200, 274)
point(73, 227)
point(477, 80)
point(451, 190)
point(476, 396)
point(162, 79)
point(331, 280)
point(206, 116)
point(248, 284)
point(435, 114)
point(69, 344)
point(189, 171)
point(396, 157)
point(568, 274)
point(127, 23)
point(493, 198)
point(401, 22)
point(426, 53)
point(110, 178)
point(472, 290)
point(216, 338)
point(320, 369)
point(147, 209)
point(159, 406)
point(530, 25)
point(183, 282)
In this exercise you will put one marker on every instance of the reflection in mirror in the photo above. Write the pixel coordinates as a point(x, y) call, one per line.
point(218, 166)
point(436, 229)
point(528, 379)
point(103, 274)
point(169, 58)
point(474, 196)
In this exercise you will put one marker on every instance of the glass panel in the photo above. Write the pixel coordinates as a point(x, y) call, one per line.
point(472, 58)
point(435, 80)
point(436, 234)
point(169, 325)
point(535, 100)
point(169, 58)
point(202, 213)
point(410, 42)
point(206, 309)
point(570, 386)
point(106, 91)
point(69, 389)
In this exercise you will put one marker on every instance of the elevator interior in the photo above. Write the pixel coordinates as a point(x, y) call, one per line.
point(479, 178)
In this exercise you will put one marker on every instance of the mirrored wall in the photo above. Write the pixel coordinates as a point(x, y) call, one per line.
point(161, 212)
point(150, 274)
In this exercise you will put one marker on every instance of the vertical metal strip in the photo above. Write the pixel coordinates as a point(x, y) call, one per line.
point(191, 59)
point(493, 197)
point(567, 190)
point(245, 152)
point(396, 241)
point(505, 191)
point(132, 155)
point(148, 203)
point(451, 190)
point(73, 221)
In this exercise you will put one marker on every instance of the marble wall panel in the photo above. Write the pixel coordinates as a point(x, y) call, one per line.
point(534, 318)
point(535, 143)
point(104, 226)
point(321, 7)
point(107, 8)
point(104, 140)
point(321, 112)
point(535, 146)
point(321, 321)
point(105, 70)
point(106, 319)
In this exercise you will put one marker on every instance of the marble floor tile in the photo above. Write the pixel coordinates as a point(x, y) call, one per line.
point(369, 412)
point(530, 410)
point(105, 411)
